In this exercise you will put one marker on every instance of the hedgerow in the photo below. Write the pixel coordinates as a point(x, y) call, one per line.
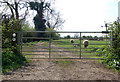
point(11, 58)
point(112, 55)
point(12, 61)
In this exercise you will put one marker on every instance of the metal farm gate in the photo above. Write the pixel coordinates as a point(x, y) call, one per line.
point(50, 44)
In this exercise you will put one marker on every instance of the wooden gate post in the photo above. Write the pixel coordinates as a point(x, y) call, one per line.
point(21, 41)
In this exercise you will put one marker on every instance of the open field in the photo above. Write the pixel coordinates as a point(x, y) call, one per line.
point(59, 48)
point(89, 51)
point(63, 49)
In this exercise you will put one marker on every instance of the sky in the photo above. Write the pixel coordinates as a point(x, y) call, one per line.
point(86, 15)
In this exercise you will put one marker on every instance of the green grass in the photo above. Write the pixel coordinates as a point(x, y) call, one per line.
point(64, 63)
point(62, 43)
point(66, 43)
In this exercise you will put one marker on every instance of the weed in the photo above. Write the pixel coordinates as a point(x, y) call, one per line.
point(64, 63)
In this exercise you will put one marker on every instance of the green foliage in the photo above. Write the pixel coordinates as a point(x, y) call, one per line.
point(96, 37)
point(112, 59)
point(101, 51)
point(112, 56)
point(68, 36)
point(11, 58)
point(11, 61)
point(7, 30)
point(27, 27)
point(53, 35)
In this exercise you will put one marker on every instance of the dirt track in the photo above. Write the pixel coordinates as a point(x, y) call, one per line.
point(49, 69)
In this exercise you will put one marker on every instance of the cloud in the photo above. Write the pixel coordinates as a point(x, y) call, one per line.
point(86, 14)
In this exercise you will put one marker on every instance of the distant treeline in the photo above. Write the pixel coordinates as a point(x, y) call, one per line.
point(87, 37)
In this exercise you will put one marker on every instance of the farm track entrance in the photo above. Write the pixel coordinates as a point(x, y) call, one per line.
point(53, 69)
point(52, 46)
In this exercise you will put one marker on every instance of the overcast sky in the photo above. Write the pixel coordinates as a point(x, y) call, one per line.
point(87, 15)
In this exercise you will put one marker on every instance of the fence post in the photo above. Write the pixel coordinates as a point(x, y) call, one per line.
point(50, 45)
point(18, 42)
point(21, 40)
point(106, 39)
point(80, 45)
point(111, 39)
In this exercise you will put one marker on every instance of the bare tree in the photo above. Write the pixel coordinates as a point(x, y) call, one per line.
point(48, 13)
point(53, 18)
point(14, 9)
point(13, 12)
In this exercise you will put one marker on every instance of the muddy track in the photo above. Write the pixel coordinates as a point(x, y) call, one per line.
point(49, 69)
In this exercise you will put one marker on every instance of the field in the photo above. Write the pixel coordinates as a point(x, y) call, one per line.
point(62, 48)
point(90, 50)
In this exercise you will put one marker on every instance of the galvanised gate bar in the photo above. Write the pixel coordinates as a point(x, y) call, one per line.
point(51, 45)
